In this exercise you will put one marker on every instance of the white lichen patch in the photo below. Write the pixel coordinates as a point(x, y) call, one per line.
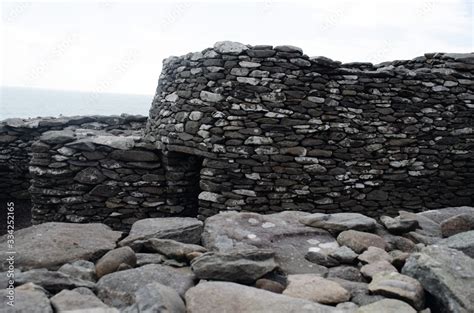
point(268, 225)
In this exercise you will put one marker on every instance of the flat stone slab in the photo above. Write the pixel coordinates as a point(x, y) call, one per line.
point(338, 222)
point(282, 232)
point(228, 297)
point(182, 229)
point(50, 245)
point(447, 274)
point(69, 300)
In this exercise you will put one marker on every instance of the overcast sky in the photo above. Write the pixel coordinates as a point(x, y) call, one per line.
point(119, 46)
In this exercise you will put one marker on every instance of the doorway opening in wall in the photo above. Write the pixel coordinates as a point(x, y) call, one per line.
point(183, 176)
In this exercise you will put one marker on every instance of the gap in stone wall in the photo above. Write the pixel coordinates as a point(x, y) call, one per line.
point(183, 178)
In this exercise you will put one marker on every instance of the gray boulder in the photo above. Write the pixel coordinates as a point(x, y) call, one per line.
point(447, 274)
point(155, 297)
point(69, 300)
point(463, 242)
point(243, 266)
point(51, 245)
point(282, 232)
point(182, 229)
point(230, 47)
point(118, 289)
point(228, 297)
point(400, 224)
point(338, 222)
point(27, 299)
point(395, 285)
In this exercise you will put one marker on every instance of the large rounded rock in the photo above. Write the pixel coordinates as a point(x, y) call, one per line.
point(111, 261)
point(447, 274)
point(395, 285)
point(183, 229)
point(338, 222)
point(50, 245)
point(244, 266)
point(315, 288)
point(360, 241)
point(118, 289)
point(281, 232)
point(228, 297)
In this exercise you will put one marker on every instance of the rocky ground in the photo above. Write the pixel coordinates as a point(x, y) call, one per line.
point(247, 262)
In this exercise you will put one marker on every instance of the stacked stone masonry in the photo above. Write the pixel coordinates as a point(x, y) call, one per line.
point(279, 130)
point(261, 129)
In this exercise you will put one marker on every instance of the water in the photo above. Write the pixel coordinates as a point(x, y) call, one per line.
point(32, 102)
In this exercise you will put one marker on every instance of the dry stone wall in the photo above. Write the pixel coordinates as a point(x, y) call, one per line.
point(278, 130)
point(17, 136)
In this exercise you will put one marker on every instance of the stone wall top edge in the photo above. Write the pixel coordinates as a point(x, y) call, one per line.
point(39, 122)
point(229, 48)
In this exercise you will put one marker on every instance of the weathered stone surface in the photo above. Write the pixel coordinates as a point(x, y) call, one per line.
point(234, 298)
point(374, 254)
point(113, 259)
point(243, 266)
point(395, 285)
point(57, 136)
point(387, 306)
point(90, 176)
point(457, 224)
point(50, 245)
point(134, 155)
point(155, 297)
point(369, 270)
point(80, 269)
point(447, 274)
point(26, 299)
point(281, 232)
point(118, 289)
point(360, 241)
point(230, 47)
point(344, 255)
point(69, 300)
point(187, 230)
point(315, 288)
point(338, 222)
point(52, 281)
point(346, 272)
point(463, 242)
point(400, 224)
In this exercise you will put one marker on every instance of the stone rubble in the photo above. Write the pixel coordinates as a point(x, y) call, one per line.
point(226, 270)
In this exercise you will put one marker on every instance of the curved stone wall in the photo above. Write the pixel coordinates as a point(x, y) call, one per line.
point(279, 130)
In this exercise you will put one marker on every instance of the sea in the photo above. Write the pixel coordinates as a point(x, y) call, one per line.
point(35, 102)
